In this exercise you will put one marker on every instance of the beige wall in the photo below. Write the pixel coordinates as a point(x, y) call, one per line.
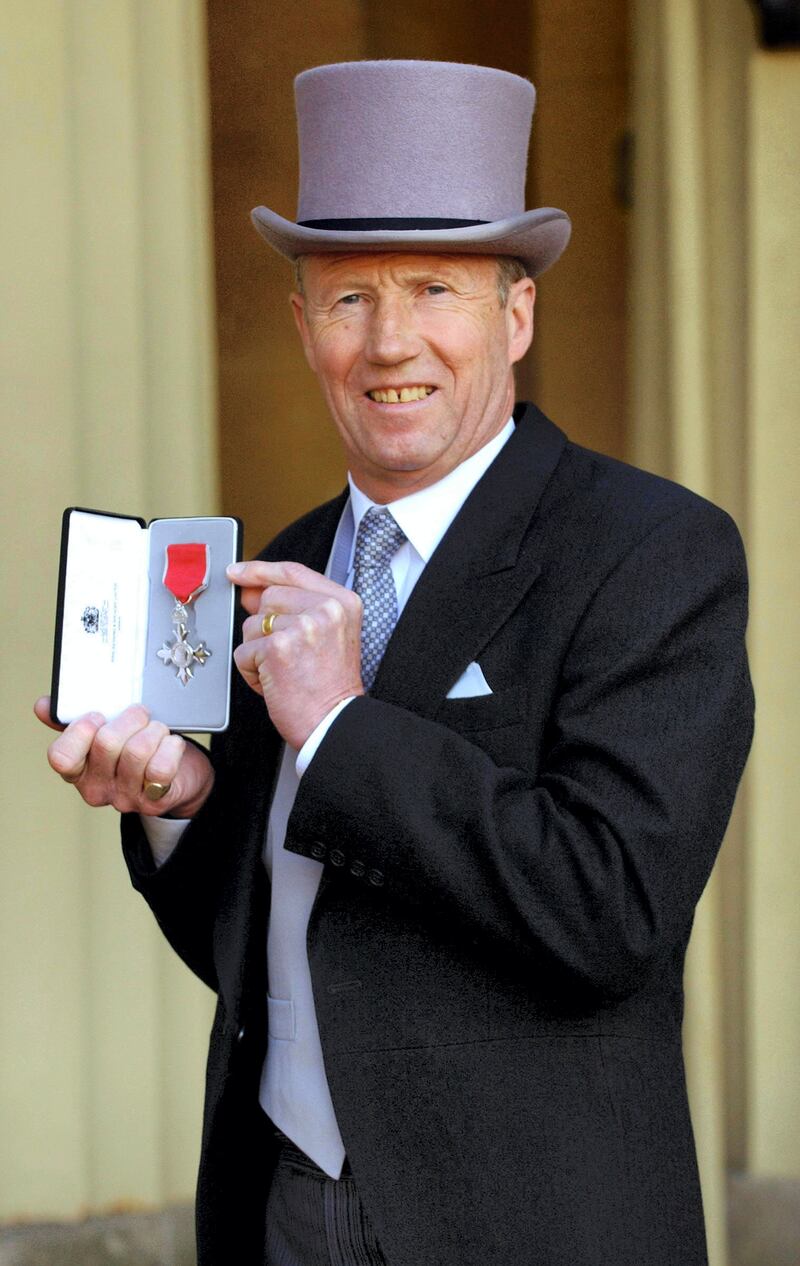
point(107, 401)
point(773, 861)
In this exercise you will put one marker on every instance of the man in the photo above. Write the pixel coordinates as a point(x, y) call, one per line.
point(453, 840)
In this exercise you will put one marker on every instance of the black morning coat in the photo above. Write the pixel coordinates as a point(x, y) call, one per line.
point(509, 881)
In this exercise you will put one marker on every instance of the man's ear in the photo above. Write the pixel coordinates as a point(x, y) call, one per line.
point(299, 312)
point(519, 317)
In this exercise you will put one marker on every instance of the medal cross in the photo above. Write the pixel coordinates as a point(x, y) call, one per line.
point(182, 656)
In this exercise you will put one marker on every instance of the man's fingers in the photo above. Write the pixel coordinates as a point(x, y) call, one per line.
point(250, 599)
point(243, 658)
point(285, 600)
point(141, 749)
point(306, 617)
point(258, 574)
point(280, 611)
point(253, 626)
point(111, 761)
point(90, 747)
point(164, 764)
point(252, 578)
point(152, 756)
point(69, 753)
point(41, 709)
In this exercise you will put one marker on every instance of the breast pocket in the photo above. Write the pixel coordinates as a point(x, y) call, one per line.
point(484, 712)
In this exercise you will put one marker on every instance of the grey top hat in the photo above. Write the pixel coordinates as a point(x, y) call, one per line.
point(418, 156)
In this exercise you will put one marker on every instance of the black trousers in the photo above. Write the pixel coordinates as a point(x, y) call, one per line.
point(314, 1220)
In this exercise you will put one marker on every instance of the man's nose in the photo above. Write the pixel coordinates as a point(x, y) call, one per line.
point(392, 336)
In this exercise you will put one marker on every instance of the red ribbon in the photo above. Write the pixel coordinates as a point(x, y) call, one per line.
point(186, 570)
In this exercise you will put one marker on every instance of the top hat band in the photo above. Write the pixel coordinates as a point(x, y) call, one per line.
point(388, 223)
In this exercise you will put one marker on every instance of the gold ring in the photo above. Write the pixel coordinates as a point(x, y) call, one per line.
point(156, 790)
point(267, 622)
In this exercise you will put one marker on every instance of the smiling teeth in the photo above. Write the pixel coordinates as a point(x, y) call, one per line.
point(392, 396)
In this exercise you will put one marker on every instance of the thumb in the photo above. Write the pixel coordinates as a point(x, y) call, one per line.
point(42, 710)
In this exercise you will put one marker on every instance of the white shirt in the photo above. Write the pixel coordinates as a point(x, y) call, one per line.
point(294, 1090)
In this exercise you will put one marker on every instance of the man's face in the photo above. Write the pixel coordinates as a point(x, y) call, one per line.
point(414, 354)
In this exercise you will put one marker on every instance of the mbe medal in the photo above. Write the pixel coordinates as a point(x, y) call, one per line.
point(185, 576)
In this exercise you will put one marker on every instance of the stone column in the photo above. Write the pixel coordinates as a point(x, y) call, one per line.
point(773, 942)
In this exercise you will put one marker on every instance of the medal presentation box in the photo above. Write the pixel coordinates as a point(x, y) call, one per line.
point(145, 615)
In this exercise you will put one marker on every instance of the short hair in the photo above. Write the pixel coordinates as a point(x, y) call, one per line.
point(509, 270)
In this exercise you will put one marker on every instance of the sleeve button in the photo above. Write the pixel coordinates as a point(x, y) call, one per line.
point(376, 878)
point(240, 1035)
point(357, 869)
point(318, 851)
point(337, 857)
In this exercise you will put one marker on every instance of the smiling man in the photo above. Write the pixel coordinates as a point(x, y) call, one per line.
point(415, 355)
point(491, 712)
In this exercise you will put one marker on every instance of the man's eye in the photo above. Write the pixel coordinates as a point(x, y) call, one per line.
point(350, 300)
point(435, 289)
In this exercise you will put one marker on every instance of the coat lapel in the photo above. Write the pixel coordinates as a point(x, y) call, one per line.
point(479, 573)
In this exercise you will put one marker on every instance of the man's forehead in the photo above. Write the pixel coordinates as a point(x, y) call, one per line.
point(375, 264)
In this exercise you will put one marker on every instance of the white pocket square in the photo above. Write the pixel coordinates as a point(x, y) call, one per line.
point(471, 684)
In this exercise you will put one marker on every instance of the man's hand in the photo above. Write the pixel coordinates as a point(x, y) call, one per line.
point(312, 658)
point(108, 762)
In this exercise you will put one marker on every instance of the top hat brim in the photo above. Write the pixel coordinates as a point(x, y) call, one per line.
point(536, 237)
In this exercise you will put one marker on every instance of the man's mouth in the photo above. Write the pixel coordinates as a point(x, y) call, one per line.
point(400, 395)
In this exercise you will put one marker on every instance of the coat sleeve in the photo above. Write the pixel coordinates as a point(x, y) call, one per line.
point(590, 867)
point(206, 884)
point(182, 892)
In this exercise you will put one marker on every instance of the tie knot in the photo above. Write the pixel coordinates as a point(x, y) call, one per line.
point(379, 538)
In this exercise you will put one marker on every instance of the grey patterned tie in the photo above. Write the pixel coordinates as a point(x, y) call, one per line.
point(378, 539)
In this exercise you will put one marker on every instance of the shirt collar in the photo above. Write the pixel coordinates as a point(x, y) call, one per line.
point(426, 515)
